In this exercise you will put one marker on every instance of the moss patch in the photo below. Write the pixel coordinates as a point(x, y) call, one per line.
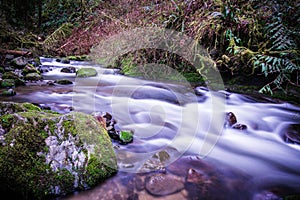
point(86, 72)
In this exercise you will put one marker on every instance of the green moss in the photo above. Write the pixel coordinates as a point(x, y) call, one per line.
point(30, 106)
point(126, 137)
point(86, 72)
point(7, 83)
point(78, 58)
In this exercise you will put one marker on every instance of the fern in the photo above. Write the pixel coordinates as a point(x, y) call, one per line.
point(279, 35)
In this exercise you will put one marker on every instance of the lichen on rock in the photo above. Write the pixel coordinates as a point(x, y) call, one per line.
point(43, 154)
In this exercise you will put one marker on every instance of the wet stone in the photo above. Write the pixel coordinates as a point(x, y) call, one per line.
point(68, 70)
point(139, 183)
point(230, 119)
point(293, 134)
point(239, 126)
point(162, 184)
point(194, 176)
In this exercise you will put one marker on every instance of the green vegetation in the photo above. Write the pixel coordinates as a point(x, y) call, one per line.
point(243, 38)
point(126, 137)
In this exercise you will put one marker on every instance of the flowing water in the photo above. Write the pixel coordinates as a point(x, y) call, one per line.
point(187, 124)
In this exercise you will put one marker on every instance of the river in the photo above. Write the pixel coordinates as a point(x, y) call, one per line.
point(181, 149)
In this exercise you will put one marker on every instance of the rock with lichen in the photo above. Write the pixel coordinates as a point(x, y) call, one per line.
point(45, 154)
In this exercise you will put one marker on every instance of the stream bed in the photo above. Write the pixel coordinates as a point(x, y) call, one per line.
point(181, 149)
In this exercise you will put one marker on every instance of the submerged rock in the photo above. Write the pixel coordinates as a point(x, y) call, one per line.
point(163, 184)
point(45, 154)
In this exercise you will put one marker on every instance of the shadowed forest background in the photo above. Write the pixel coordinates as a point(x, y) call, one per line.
point(254, 44)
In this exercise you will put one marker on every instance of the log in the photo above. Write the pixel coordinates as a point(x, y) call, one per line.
point(15, 52)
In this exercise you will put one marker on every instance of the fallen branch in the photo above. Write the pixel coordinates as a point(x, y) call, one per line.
point(15, 52)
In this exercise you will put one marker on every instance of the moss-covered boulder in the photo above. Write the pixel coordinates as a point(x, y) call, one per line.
point(30, 69)
point(33, 77)
point(11, 79)
point(86, 72)
point(43, 155)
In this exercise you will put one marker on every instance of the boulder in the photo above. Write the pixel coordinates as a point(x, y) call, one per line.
point(33, 77)
point(19, 62)
point(68, 70)
point(86, 72)
point(44, 154)
point(29, 69)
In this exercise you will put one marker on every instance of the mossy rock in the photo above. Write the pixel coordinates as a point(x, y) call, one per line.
point(44, 155)
point(78, 58)
point(126, 137)
point(8, 83)
point(64, 82)
point(10, 107)
point(86, 72)
point(30, 69)
point(9, 93)
point(33, 77)
point(10, 75)
point(12, 80)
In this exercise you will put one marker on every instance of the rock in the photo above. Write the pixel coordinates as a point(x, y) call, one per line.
point(293, 134)
point(65, 61)
point(44, 155)
point(139, 183)
point(33, 77)
point(29, 69)
point(19, 62)
point(10, 92)
point(194, 176)
point(50, 83)
point(231, 122)
point(68, 70)
point(162, 184)
point(8, 83)
point(125, 136)
point(239, 126)
point(230, 119)
point(10, 108)
point(12, 76)
point(64, 82)
point(86, 72)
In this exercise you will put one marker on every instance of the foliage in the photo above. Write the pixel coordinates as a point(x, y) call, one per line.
point(59, 34)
